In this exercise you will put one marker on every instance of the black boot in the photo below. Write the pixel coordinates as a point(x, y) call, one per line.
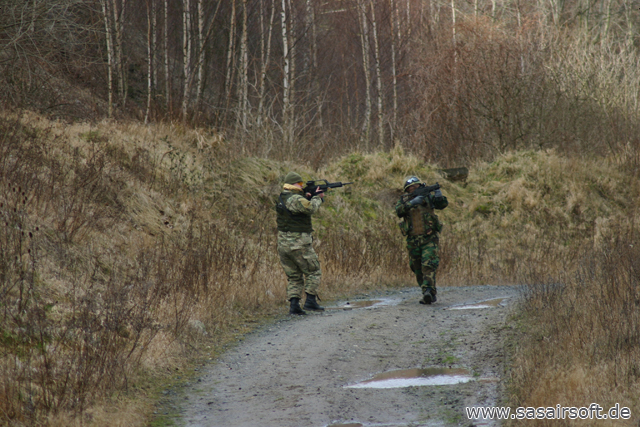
point(429, 296)
point(311, 303)
point(294, 308)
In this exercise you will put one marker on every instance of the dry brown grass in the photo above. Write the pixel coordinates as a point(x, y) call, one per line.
point(580, 336)
point(135, 250)
point(125, 248)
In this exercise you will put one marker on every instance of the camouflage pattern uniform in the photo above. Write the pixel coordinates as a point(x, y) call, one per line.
point(421, 227)
point(299, 260)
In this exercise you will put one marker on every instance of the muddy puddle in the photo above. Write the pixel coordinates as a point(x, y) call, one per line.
point(491, 303)
point(416, 378)
point(350, 305)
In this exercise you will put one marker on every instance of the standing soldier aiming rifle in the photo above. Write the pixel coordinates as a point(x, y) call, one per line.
point(422, 228)
point(300, 262)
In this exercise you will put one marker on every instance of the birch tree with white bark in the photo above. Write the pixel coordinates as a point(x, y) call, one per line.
point(376, 51)
point(364, 42)
point(286, 76)
point(243, 87)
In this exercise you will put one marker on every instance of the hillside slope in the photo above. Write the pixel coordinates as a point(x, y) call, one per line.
point(128, 249)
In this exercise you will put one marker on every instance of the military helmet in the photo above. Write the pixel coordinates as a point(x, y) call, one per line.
point(410, 181)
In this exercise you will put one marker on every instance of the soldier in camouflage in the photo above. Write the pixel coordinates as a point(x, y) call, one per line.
point(421, 227)
point(299, 260)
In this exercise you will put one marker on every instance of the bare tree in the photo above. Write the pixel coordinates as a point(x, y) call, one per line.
point(292, 66)
point(311, 23)
point(265, 53)
point(200, 54)
point(243, 88)
point(196, 73)
point(395, 39)
point(228, 81)
point(376, 45)
point(106, 13)
point(151, 12)
point(286, 76)
point(408, 19)
point(118, 9)
point(364, 42)
point(187, 46)
point(154, 41)
point(167, 74)
point(453, 30)
point(113, 12)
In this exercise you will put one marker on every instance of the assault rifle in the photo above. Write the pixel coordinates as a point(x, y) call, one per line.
point(312, 186)
point(424, 190)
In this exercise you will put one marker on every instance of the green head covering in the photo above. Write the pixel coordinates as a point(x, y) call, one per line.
point(292, 178)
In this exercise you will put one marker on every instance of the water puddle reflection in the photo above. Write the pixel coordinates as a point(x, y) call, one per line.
point(349, 305)
point(416, 378)
point(491, 303)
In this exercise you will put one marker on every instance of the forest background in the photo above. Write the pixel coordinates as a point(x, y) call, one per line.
point(143, 141)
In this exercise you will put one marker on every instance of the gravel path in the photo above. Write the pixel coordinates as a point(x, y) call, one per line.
point(308, 371)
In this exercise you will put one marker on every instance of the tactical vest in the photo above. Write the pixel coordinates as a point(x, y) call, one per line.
point(422, 220)
point(289, 221)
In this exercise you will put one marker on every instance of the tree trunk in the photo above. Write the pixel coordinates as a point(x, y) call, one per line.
point(292, 65)
point(230, 58)
point(154, 41)
point(520, 35)
point(243, 98)
point(187, 41)
point(200, 59)
point(378, 74)
point(364, 41)
point(266, 55)
point(118, 15)
point(167, 75)
point(285, 77)
point(311, 16)
point(150, 55)
point(395, 38)
point(408, 23)
point(106, 12)
point(433, 16)
point(453, 31)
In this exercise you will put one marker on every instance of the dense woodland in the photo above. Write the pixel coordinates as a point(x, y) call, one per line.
point(300, 79)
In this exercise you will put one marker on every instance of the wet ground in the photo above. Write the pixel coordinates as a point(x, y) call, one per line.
point(383, 360)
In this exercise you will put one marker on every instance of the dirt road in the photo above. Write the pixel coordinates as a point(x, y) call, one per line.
point(308, 371)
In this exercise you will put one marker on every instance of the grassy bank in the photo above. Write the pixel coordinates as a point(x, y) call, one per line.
point(129, 251)
point(579, 336)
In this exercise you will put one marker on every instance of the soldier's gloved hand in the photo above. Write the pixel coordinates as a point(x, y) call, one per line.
point(438, 194)
point(417, 201)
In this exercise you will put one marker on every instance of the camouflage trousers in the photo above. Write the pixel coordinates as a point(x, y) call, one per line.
point(300, 263)
point(424, 260)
